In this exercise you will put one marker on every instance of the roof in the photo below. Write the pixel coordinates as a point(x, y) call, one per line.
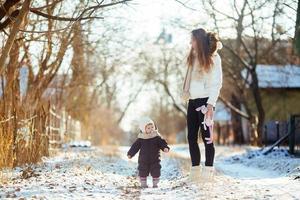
point(277, 76)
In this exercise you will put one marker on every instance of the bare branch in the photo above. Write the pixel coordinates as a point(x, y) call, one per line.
point(186, 6)
point(23, 12)
point(233, 108)
point(238, 57)
point(81, 16)
point(61, 18)
point(294, 9)
point(4, 8)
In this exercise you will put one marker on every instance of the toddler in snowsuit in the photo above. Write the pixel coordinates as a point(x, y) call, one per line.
point(149, 143)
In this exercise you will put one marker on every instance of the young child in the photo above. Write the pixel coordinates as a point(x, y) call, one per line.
point(149, 142)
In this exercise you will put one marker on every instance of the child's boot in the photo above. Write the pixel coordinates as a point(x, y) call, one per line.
point(143, 181)
point(195, 173)
point(155, 182)
point(207, 174)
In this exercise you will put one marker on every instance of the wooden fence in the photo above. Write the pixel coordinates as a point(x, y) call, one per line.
point(61, 128)
point(27, 137)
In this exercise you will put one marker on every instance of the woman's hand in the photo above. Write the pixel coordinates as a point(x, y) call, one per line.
point(166, 150)
point(209, 115)
point(129, 156)
point(210, 139)
point(210, 112)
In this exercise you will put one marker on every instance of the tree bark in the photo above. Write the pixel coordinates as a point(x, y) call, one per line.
point(14, 31)
point(260, 109)
point(297, 31)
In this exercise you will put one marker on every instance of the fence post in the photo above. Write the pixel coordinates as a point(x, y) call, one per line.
point(277, 132)
point(266, 135)
point(292, 134)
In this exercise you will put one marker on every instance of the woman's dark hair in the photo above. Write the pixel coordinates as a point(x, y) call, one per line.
point(206, 46)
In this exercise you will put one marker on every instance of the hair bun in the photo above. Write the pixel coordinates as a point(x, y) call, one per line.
point(214, 42)
point(219, 45)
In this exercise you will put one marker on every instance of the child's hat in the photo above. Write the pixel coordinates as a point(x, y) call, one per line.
point(143, 122)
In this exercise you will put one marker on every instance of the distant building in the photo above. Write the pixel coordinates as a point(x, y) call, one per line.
point(277, 76)
point(280, 89)
point(164, 38)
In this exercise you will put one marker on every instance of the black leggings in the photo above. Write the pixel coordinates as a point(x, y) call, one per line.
point(194, 119)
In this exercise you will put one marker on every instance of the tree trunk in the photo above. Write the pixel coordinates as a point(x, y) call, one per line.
point(237, 122)
point(259, 106)
point(13, 33)
point(297, 31)
point(236, 100)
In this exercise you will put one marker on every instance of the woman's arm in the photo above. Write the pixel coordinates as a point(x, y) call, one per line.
point(214, 81)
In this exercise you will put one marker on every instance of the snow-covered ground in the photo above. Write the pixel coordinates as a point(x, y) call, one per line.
point(279, 162)
point(106, 173)
point(252, 175)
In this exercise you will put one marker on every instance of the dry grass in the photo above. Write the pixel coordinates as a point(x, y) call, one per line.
point(6, 145)
point(31, 142)
point(25, 151)
point(30, 146)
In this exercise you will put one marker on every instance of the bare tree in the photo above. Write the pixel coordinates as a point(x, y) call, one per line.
point(40, 42)
point(297, 30)
point(10, 11)
point(163, 68)
point(245, 52)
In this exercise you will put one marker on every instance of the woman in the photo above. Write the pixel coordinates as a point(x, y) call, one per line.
point(202, 86)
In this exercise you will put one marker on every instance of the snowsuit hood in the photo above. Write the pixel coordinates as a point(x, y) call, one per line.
point(144, 135)
point(143, 122)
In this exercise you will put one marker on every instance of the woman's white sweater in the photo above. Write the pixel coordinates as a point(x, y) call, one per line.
point(207, 84)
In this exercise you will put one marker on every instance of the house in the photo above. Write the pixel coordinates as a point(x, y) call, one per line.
point(281, 86)
point(280, 90)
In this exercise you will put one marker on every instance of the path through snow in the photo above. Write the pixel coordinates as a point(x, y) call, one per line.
point(106, 173)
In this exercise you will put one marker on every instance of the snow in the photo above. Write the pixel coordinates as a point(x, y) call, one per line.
point(278, 161)
point(106, 173)
point(272, 176)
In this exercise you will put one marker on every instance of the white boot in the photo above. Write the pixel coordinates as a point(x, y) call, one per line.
point(207, 175)
point(195, 173)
